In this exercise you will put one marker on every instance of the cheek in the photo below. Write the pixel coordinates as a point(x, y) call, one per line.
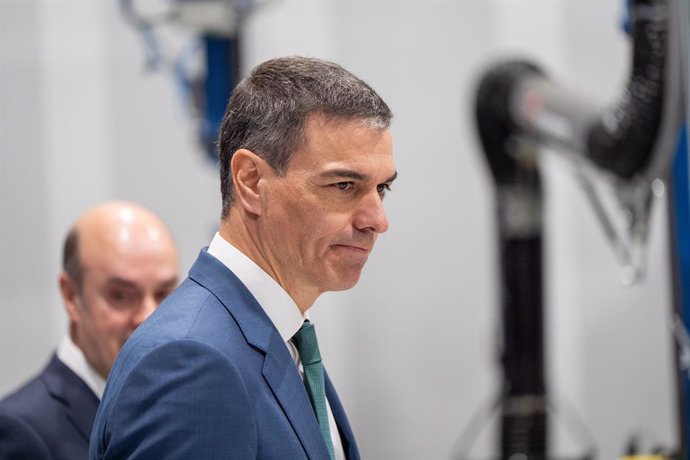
point(319, 230)
point(308, 227)
point(109, 322)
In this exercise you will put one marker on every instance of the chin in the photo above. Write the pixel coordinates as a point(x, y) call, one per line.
point(344, 283)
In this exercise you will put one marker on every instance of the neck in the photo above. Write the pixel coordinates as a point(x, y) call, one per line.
point(244, 234)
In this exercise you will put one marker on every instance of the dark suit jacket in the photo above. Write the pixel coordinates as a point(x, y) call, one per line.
point(208, 376)
point(48, 418)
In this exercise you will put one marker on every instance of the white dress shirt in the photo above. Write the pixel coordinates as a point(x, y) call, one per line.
point(74, 358)
point(277, 304)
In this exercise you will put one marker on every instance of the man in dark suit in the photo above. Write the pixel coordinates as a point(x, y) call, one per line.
point(228, 366)
point(119, 262)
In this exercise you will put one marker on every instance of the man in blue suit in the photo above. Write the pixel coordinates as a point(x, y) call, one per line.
point(119, 261)
point(215, 373)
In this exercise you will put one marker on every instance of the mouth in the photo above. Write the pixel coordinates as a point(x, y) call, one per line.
point(358, 249)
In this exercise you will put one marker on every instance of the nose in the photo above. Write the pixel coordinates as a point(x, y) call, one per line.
point(370, 214)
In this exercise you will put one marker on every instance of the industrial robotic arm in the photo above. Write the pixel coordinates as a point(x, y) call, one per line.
point(217, 27)
point(630, 144)
point(628, 147)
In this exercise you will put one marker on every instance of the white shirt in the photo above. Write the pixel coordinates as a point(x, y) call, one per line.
point(277, 304)
point(72, 356)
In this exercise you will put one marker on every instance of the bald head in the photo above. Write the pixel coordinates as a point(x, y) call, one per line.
point(113, 226)
point(119, 263)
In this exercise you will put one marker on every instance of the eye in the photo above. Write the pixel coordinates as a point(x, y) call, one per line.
point(344, 186)
point(383, 188)
point(160, 295)
point(122, 298)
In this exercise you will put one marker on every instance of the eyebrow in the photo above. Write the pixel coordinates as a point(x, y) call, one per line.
point(348, 173)
point(117, 281)
point(172, 282)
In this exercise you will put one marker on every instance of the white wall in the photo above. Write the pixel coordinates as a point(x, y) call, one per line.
point(412, 347)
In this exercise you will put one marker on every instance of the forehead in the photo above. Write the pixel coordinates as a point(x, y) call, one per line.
point(349, 143)
point(132, 254)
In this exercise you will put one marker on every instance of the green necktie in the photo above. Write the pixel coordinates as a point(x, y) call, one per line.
point(308, 348)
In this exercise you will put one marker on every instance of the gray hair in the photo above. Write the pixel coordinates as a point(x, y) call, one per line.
point(269, 109)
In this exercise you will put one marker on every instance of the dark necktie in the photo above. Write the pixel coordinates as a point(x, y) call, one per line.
point(308, 348)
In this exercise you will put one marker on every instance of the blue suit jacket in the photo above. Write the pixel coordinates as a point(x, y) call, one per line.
point(208, 376)
point(48, 418)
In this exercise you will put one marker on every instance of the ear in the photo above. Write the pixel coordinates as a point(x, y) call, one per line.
point(247, 170)
point(70, 297)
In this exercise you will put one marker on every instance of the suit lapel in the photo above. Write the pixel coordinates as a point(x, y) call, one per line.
point(346, 435)
point(284, 379)
point(279, 369)
point(77, 399)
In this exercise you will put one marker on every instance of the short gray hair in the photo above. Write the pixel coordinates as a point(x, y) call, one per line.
point(268, 111)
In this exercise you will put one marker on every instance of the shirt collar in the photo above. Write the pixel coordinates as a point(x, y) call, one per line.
point(72, 356)
point(275, 301)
